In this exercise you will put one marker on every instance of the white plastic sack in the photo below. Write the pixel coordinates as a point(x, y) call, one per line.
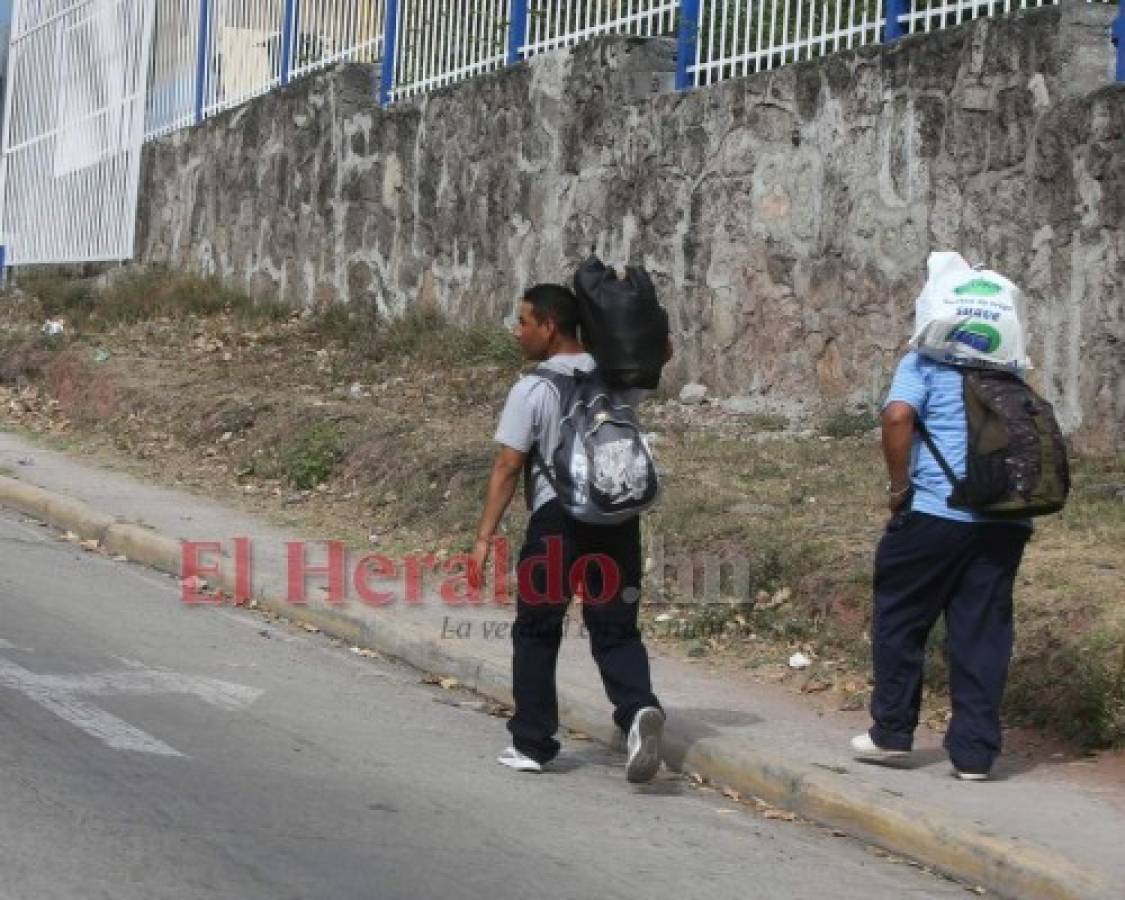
point(970, 317)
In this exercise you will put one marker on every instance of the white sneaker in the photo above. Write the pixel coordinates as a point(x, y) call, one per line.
point(643, 745)
point(865, 748)
point(513, 759)
point(970, 776)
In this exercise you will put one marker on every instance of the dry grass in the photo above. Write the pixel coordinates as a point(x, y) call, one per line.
point(131, 296)
point(806, 514)
point(349, 427)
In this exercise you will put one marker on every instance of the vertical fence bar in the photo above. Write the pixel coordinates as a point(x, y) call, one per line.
point(894, 28)
point(6, 110)
point(517, 31)
point(202, 40)
point(390, 46)
point(288, 39)
point(687, 43)
point(1118, 32)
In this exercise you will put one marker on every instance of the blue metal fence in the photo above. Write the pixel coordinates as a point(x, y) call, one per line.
point(210, 55)
point(1119, 41)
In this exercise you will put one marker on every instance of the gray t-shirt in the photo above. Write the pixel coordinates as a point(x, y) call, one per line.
point(531, 416)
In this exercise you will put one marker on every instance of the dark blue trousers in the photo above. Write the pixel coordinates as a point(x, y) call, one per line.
point(615, 639)
point(927, 566)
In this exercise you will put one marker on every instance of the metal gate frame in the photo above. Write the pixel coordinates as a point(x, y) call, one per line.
point(73, 129)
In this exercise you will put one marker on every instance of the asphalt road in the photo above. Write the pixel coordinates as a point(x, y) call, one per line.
point(154, 750)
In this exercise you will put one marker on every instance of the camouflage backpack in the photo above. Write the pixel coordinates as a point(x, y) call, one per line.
point(1016, 465)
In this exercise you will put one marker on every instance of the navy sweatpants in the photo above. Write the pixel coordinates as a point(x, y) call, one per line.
point(927, 566)
point(615, 639)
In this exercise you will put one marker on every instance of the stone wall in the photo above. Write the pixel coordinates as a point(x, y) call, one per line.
point(785, 216)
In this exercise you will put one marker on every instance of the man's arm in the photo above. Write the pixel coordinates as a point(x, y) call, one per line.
point(502, 483)
point(898, 440)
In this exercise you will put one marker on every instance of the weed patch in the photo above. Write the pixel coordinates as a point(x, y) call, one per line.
point(423, 336)
point(768, 422)
point(312, 455)
point(141, 296)
point(842, 423)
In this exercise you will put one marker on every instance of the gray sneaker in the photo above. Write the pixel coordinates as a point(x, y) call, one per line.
point(643, 745)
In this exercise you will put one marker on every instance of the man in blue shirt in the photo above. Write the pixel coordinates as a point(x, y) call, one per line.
point(933, 560)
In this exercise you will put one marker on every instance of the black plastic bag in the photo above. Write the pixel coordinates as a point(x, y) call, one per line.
point(623, 324)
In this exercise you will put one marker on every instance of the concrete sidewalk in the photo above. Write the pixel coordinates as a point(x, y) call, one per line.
point(1032, 832)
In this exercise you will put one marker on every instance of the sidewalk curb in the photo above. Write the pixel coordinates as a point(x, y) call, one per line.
point(1005, 866)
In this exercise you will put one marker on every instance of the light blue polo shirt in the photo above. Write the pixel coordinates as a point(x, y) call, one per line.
point(934, 390)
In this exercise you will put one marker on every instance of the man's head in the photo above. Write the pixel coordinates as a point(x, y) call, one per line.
point(548, 322)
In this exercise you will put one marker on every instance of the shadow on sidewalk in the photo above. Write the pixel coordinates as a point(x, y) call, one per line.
point(694, 724)
point(919, 759)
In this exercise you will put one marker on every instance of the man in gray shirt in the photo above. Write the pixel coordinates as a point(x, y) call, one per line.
point(547, 332)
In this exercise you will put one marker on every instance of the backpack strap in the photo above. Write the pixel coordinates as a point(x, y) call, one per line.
point(535, 462)
point(928, 440)
point(931, 445)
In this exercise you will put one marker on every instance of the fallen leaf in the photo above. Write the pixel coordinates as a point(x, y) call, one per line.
point(779, 599)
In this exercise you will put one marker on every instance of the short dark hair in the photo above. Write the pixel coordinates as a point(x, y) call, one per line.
point(557, 303)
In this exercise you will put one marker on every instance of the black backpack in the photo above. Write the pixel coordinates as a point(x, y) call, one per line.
point(600, 467)
point(1016, 465)
point(623, 324)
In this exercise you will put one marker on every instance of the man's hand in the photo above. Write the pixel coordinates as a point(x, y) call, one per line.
point(897, 498)
point(506, 469)
point(478, 557)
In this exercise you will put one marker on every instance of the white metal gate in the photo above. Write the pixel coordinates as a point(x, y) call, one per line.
point(73, 127)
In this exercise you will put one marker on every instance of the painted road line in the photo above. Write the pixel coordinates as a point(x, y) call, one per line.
point(62, 695)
